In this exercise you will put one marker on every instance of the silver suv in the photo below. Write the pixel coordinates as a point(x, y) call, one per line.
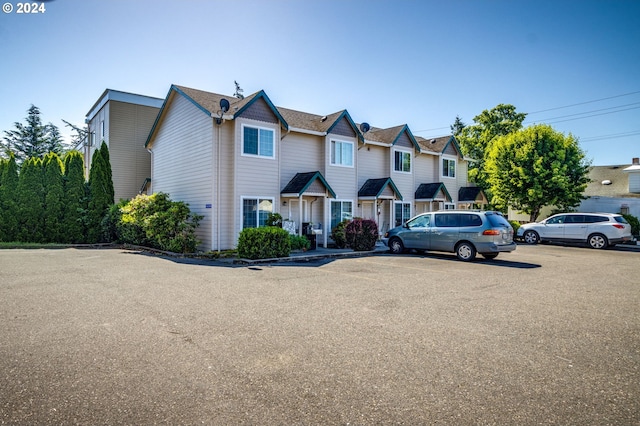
point(599, 230)
point(462, 232)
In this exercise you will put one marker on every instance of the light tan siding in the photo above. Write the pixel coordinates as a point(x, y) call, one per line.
point(300, 154)
point(373, 163)
point(342, 179)
point(182, 161)
point(129, 127)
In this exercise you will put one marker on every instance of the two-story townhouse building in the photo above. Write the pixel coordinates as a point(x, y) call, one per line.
point(123, 121)
point(237, 160)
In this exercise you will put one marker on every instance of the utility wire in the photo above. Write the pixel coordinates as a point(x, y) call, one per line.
point(583, 103)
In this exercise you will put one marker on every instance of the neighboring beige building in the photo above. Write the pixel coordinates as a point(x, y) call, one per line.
point(236, 165)
point(123, 121)
point(613, 189)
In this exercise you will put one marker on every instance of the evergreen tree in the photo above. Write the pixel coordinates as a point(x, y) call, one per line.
point(8, 200)
point(457, 126)
point(110, 190)
point(33, 139)
point(75, 199)
point(31, 201)
point(53, 199)
point(100, 193)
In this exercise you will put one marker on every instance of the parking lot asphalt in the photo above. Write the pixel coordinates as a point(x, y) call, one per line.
point(543, 335)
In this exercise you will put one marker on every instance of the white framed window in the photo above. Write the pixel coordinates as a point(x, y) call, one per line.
point(449, 206)
point(449, 167)
point(102, 129)
point(255, 211)
point(258, 141)
point(342, 153)
point(402, 161)
point(340, 210)
point(402, 213)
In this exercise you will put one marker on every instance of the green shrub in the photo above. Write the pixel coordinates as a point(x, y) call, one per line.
point(515, 225)
point(299, 242)
point(156, 221)
point(361, 234)
point(263, 243)
point(634, 222)
point(338, 236)
point(274, 219)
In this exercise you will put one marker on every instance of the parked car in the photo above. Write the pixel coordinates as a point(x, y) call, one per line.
point(598, 230)
point(462, 232)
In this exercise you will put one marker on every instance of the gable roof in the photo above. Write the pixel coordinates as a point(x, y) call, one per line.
point(302, 181)
point(209, 104)
point(470, 194)
point(374, 187)
point(438, 145)
point(618, 175)
point(322, 124)
point(429, 191)
point(391, 135)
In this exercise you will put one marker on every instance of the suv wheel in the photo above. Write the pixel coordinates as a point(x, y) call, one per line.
point(531, 237)
point(598, 241)
point(465, 251)
point(396, 246)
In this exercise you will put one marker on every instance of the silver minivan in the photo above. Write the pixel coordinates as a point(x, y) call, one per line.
point(462, 232)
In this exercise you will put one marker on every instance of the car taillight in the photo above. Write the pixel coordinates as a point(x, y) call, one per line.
point(617, 225)
point(491, 232)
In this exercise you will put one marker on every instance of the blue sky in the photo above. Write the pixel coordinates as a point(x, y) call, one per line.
point(386, 62)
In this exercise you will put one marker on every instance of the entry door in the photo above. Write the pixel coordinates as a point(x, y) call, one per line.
point(294, 212)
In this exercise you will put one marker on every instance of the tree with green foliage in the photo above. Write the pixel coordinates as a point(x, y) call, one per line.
point(457, 126)
point(475, 140)
point(31, 201)
point(9, 199)
point(75, 199)
point(53, 198)
point(110, 190)
point(100, 194)
point(32, 139)
point(536, 167)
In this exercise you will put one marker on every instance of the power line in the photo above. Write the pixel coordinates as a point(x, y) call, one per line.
point(612, 136)
point(553, 121)
point(589, 112)
point(583, 103)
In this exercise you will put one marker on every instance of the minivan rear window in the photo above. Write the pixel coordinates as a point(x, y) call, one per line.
point(497, 219)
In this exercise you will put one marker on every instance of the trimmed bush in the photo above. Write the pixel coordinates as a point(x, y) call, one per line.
point(338, 236)
point(634, 222)
point(264, 243)
point(515, 225)
point(154, 221)
point(361, 234)
point(299, 242)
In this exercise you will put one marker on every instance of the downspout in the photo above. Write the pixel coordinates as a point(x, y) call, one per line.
point(218, 204)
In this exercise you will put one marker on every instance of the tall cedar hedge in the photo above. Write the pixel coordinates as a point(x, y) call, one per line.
point(8, 199)
point(53, 198)
point(101, 193)
point(47, 200)
point(75, 199)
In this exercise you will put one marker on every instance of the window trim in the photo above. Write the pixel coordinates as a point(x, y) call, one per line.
point(258, 155)
point(258, 199)
point(332, 156)
point(341, 211)
point(449, 206)
point(402, 151)
point(403, 219)
point(455, 167)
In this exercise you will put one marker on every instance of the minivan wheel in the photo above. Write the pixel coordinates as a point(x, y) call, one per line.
point(396, 246)
point(531, 237)
point(598, 241)
point(465, 251)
